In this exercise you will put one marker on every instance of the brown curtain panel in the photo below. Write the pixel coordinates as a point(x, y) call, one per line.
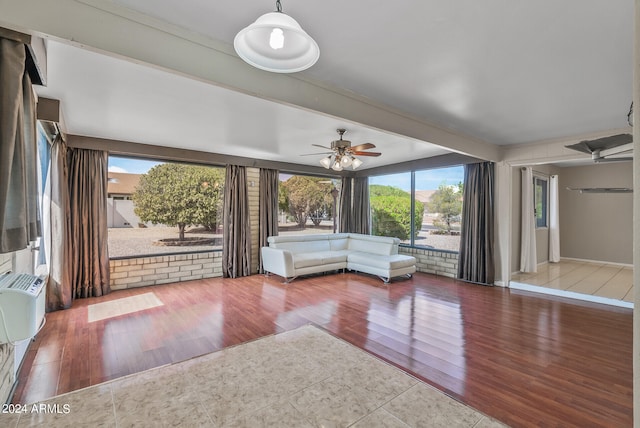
point(19, 215)
point(88, 222)
point(360, 206)
point(346, 209)
point(236, 248)
point(59, 289)
point(476, 261)
point(268, 207)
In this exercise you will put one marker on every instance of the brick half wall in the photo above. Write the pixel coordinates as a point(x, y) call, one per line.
point(437, 262)
point(155, 270)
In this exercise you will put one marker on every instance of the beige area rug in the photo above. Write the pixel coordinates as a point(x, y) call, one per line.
point(126, 305)
point(300, 378)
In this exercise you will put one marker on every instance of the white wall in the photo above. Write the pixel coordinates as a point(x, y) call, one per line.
point(120, 213)
point(597, 226)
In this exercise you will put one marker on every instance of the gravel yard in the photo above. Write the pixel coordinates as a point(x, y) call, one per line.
point(440, 242)
point(132, 242)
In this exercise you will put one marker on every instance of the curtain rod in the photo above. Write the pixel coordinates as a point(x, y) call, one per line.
point(538, 172)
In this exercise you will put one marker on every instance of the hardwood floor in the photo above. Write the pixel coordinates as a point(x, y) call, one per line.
point(522, 358)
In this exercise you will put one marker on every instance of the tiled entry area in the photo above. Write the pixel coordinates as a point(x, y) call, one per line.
point(300, 378)
point(607, 283)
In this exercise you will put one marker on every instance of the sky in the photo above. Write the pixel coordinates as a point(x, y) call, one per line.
point(425, 180)
point(132, 166)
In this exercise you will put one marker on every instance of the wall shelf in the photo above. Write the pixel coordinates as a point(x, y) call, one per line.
point(602, 189)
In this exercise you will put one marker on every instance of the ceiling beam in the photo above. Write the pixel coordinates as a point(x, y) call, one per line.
point(108, 28)
point(175, 154)
point(434, 162)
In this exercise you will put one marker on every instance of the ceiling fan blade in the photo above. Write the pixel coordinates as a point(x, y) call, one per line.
point(589, 146)
point(367, 153)
point(364, 146)
point(324, 147)
point(316, 154)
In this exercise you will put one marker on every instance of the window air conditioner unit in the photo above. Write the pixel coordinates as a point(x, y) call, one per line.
point(22, 306)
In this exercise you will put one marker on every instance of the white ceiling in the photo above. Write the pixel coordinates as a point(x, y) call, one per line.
point(502, 71)
point(115, 99)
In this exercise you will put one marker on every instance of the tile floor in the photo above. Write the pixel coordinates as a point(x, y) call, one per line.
point(604, 280)
point(300, 378)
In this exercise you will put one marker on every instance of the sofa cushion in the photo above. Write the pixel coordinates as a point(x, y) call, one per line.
point(339, 244)
point(334, 256)
point(298, 238)
point(301, 260)
point(390, 262)
point(371, 246)
point(311, 246)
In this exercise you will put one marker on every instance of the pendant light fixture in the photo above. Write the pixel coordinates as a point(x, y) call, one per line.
point(275, 42)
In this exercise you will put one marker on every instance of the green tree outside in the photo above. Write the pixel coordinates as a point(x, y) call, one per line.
point(447, 203)
point(306, 198)
point(391, 212)
point(180, 195)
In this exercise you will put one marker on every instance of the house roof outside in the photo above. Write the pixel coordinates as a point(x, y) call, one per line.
point(121, 183)
point(424, 196)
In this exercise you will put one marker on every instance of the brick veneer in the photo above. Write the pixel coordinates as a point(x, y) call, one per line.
point(163, 269)
point(437, 262)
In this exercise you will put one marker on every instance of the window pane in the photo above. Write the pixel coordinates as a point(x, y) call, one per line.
point(390, 199)
point(540, 187)
point(307, 204)
point(44, 158)
point(163, 208)
point(439, 195)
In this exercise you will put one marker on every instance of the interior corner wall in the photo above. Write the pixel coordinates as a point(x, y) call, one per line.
point(596, 226)
point(253, 181)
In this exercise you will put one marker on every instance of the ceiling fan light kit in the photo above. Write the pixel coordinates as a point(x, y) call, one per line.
point(342, 155)
point(356, 163)
point(275, 42)
point(326, 162)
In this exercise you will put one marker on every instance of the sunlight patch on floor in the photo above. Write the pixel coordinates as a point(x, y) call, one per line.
point(126, 305)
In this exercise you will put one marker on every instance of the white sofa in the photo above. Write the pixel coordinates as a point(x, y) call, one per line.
point(293, 255)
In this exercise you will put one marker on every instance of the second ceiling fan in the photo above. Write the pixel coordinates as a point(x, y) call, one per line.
point(343, 155)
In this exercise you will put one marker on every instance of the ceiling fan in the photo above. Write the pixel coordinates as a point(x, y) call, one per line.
point(615, 148)
point(342, 154)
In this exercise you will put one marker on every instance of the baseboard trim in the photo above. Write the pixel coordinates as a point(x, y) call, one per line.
point(595, 261)
point(570, 294)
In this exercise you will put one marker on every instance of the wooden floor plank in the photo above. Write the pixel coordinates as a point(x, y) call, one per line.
point(525, 359)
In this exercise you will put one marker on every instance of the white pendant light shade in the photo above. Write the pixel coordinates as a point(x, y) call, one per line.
point(326, 162)
point(355, 163)
point(275, 42)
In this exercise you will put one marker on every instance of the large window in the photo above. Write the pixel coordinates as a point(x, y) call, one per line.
point(163, 208)
point(307, 204)
point(390, 200)
point(422, 208)
point(540, 187)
